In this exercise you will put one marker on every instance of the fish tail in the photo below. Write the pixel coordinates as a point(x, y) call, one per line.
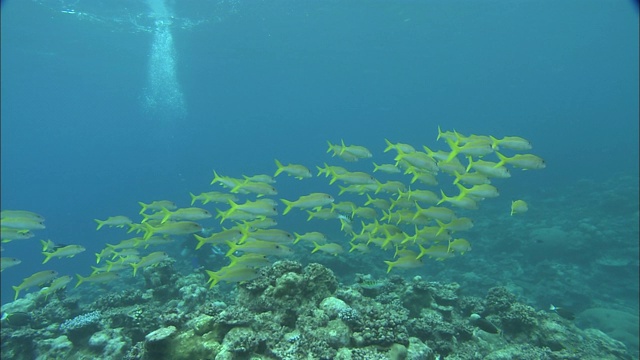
point(494, 142)
point(144, 207)
point(343, 148)
point(330, 147)
point(216, 178)
point(457, 177)
point(503, 159)
point(289, 206)
point(80, 280)
point(316, 248)
point(390, 265)
point(100, 223)
point(455, 149)
point(442, 227)
point(298, 237)
point(167, 215)
point(193, 198)
point(232, 247)
point(135, 269)
point(389, 145)
point(214, 278)
point(17, 290)
point(444, 198)
point(470, 163)
point(47, 256)
point(280, 168)
point(201, 241)
point(149, 231)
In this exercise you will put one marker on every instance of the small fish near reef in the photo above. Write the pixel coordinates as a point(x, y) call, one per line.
point(564, 313)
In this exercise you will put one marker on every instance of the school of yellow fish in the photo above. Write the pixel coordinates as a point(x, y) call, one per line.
point(407, 221)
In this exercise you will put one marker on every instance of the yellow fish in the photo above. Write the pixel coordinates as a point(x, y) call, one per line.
point(519, 207)
point(313, 200)
point(399, 147)
point(97, 277)
point(151, 259)
point(68, 251)
point(212, 196)
point(157, 205)
point(7, 262)
point(405, 262)
point(297, 171)
point(56, 284)
point(232, 274)
point(331, 248)
point(511, 142)
point(524, 161)
point(220, 238)
point(175, 228)
point(117, 221)
point(459, 245)
point(21, 214)
point(38, 278)
point(191, 213)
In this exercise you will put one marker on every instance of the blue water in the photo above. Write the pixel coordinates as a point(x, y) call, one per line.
point(103, 106)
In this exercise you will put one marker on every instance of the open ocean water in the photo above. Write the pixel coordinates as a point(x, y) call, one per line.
point(109, 103)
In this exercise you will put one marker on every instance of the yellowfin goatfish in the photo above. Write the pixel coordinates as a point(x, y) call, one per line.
point(524, 161)
point(459, 224)
point(473, 148)
point(151, 259)
point(399, 147)
point(7, 262)
point(38, 278)
point(313, 200)
point(474, 178)
point(255, 187)
point(191, 213)
point(212, 196)
point(488, 168)
point(9, 234)
point(157, 205)
point(439, 252)
point(459, 246)
point(56, 284)
point(480, 191)
point(272, 235)
point(511, 142)
point(117, 221)
point(21, 214)
point(68, 251)
point(356, 178)
point(259, 207)
point(22, 223)
point(406, 262)
point(97, 278)
point(519, 207)
point(387, 168)
point(298, 171)
point(259, 247)
point(249, 260)
point(263, 178)
point(358, 151)
point(232, 274)
point(331, 248)
point(176, 228)
point(226, 181)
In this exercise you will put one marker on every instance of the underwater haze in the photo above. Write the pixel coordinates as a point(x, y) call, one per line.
point(106, 104)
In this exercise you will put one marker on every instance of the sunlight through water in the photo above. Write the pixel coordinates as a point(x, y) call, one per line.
point(163, 99)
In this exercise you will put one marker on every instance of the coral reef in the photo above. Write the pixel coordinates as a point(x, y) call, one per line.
point(293, 311)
